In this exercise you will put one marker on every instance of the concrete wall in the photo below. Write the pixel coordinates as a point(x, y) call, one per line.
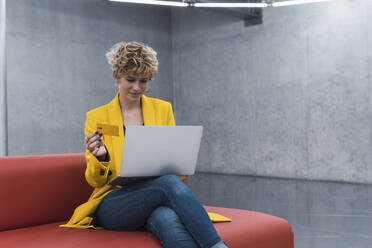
point(3, 101)
point(288, 98)
point(57, 70)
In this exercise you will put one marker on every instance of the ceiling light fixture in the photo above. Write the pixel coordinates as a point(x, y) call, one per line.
point(230, 5)
point(193, 3)
point(164, 3)
point(295, 2)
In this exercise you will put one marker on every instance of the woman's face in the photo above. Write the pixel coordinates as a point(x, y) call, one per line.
point(131, 87)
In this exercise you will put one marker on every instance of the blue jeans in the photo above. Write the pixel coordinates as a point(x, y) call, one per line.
point(164, 206)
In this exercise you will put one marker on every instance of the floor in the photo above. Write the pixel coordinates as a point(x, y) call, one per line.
point(322, 214)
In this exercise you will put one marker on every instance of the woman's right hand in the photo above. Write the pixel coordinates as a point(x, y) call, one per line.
point(95, 144)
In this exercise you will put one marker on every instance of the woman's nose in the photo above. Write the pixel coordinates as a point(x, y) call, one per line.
point(136, 85)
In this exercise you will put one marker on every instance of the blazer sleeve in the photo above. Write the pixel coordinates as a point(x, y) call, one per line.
point(171, 121)
point(96, 172)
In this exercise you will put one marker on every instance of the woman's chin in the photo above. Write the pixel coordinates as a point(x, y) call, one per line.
point(134, 96)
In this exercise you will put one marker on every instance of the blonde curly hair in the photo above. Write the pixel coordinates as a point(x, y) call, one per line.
point(133, 58)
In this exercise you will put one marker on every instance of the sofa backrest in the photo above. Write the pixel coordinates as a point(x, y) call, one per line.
point(41, 189)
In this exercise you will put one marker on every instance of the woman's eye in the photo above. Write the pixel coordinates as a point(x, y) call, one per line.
point(133, 80)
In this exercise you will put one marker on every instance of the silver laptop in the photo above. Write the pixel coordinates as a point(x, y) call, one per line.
point(152, 151)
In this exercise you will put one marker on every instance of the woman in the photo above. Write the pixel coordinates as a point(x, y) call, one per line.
point(164, 206)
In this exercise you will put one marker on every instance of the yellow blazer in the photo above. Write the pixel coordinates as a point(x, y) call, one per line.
point(155, 112)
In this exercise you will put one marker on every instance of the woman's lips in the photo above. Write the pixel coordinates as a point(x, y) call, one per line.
point(135, 94)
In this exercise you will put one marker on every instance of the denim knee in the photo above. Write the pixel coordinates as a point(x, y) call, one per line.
point(160, 221)
point(169, 179)
point(174, 186)
point(162, 217)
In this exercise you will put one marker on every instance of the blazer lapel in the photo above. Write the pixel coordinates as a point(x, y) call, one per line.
point(115, 118)
point(148, 112)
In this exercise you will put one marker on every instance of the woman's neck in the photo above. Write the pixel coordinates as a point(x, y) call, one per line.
point(128, 105)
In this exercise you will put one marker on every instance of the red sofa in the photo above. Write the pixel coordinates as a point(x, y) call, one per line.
point(38, 193)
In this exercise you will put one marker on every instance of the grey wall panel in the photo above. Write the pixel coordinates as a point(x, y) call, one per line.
point(3, 86)
point(368, 51)
point(339, 96)
point(288, 98)
point(57, 70)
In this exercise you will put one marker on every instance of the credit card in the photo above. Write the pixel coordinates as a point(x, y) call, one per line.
point(107, 129)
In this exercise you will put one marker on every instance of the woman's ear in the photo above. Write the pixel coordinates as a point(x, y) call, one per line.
point(114, 75)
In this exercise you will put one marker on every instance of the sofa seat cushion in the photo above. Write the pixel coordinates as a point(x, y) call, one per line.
point(247, 229)
point(253, 229)
point(51, 235)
